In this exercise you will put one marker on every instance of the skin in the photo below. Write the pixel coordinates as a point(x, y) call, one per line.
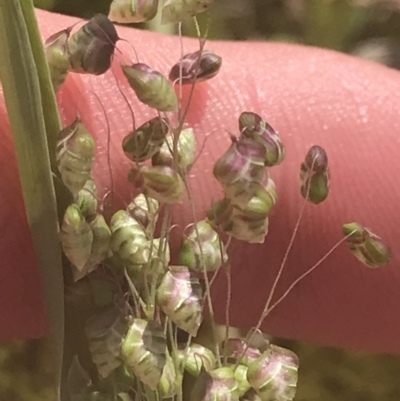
point(311, 96)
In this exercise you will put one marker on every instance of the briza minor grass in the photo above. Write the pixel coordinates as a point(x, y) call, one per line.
point(144, 311)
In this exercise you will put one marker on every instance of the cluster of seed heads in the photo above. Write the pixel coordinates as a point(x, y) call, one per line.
point(132, 337)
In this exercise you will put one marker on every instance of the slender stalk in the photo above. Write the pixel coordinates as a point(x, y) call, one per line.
point(25, 103)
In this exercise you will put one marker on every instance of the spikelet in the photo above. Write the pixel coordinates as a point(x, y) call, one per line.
point(217, 385)
point(92, 47)
point(105, 332)
point(144, 350)
point(129, 241)
point(87, 199)
point(235, 348)
point(314, 175)
point(132, 11)
point(179, 296)
point(274, 374)
point(57, 56)
point(145, 211)
point(75, 155)
point(366, 246)
point(186, 151)
point(253, 127)
point(195, 70)
point(197, 358)
point(151, 87)
point(146, 141)
point(179, 10)
point(167, 387)
point(204, 252)
point(100, 246)
point(76, 237)
point(241, 169)
point(163, 184)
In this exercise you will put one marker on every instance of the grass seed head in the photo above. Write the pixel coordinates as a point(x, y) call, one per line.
point(196, 71)
point(145, 211)
point(241, 169)
point(104, 332)
point(151, 87)
point(180, 297)
point(234, 348)
point(179, 10)
point(101, 243)
point(274, 374)
point(315, 176)
point(168, 386)
point(57, 55)
point(145, 141)
point(91, 48)
point(252, 126)
point(87, 199)
point(132, 11)
point(144, 350)
point(217, 385)
point(241, 377)
point(203, 252)
point(163, 184)
point(128, 239)
point(76, 237)
point(366, 246)
point(186, 151)
point(197, 359)
point(75, 156)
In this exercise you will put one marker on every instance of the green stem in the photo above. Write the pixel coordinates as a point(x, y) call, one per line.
point(25, 102)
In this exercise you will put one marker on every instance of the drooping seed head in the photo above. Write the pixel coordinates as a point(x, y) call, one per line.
point(194, 69)
point(151, 87)
point(129, 241)
point(204, 252)
point(163, 184)
point(91, 48)
point(145, 211)
point(366, 246)
point(168, 386)
point(241, 377)
point(240, 169)
point(252, 126)
point(274, 374)
point(217, 385)
point(87, 199)
point(100, 246)
point(186, 151)
point(179, 296)
point(159, 259)
point(241, 224)
point(179, 10)
point(144, 350)
point(76, 237)
point(219, 215)
point(197, 358)
point(145, 141)
point(104, 332)
point(75, 155)
point(315, 176)
point(57, 56)
point(234, 348)
point(262, 202)
point(132, 11)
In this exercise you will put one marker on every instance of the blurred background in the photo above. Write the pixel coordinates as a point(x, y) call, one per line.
point(365, 28)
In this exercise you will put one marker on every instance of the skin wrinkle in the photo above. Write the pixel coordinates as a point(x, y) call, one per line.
point(300, 91)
